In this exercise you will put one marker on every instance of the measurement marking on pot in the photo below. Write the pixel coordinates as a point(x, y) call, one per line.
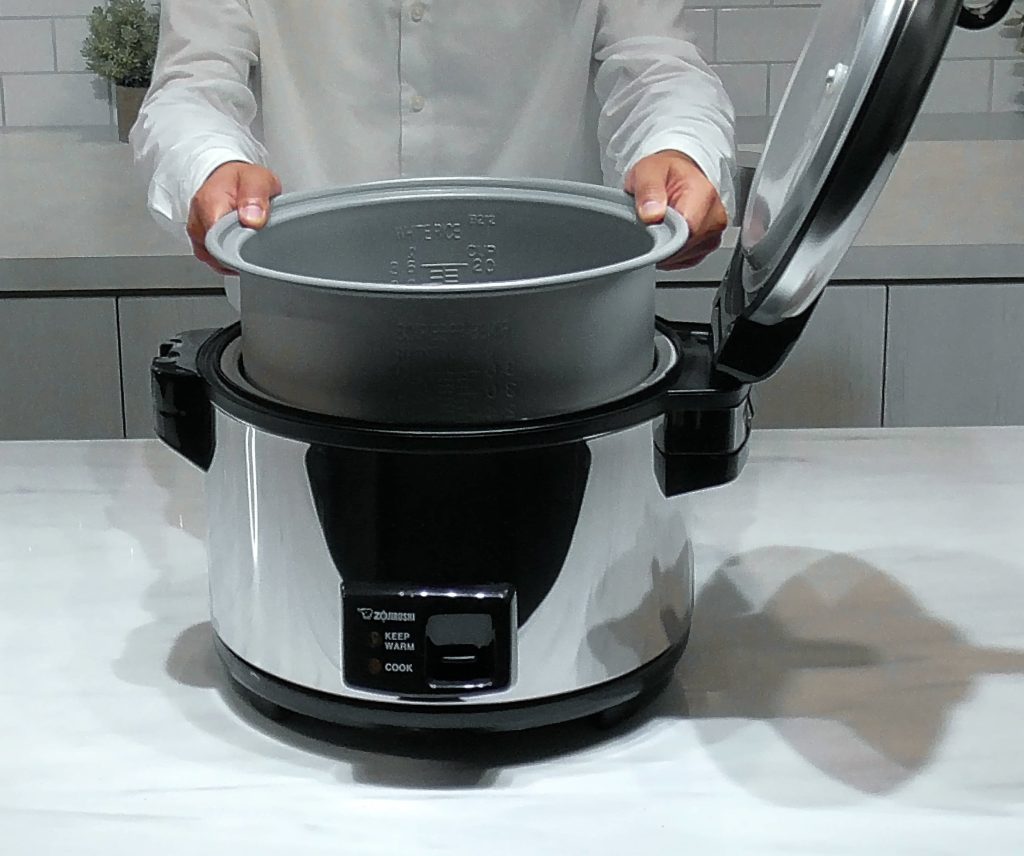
point(483, 256)
point(493, 331)
point(411, 268)
point(448, 231)
point(446, 272)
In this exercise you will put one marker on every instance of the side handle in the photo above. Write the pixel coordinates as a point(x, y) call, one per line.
point(702, 442)
point(181, 405)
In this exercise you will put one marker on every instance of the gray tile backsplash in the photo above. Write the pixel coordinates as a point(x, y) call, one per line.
point(26, 45)
point(43, 81)
point(752, 43)
point(758, 40)
point(762, 34)
point(47, 8)
point(69, 34)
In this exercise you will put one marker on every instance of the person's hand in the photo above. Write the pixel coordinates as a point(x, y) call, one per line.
point(234, 186)
point(671, 178)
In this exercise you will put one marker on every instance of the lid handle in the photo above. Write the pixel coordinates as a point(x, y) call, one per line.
point(985, 16)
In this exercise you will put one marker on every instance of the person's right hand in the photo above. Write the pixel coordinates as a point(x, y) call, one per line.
point(242, 187)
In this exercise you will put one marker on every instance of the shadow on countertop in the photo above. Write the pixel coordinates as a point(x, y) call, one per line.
point(841, 661)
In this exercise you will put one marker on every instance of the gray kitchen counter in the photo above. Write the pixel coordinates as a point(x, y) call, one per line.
point(74, 219)
point(952, 210)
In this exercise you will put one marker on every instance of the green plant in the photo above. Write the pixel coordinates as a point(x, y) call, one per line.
point(121, 45)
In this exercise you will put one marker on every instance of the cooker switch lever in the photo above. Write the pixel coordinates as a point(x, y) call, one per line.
point(460, 651)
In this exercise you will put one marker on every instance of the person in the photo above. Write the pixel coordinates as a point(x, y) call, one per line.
point(250, 98)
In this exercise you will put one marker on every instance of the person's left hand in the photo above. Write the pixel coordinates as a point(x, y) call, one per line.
point(671, 178)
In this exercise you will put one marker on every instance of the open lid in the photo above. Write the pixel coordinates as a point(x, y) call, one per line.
point(849, 108)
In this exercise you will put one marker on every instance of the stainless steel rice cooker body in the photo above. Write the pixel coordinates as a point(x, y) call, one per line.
point(497, 578)
point(597, 565)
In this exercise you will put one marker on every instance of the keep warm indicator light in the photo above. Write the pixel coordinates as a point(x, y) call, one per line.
point(376, 640)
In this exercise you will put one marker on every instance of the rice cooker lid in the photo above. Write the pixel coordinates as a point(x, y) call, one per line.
point(853, 97)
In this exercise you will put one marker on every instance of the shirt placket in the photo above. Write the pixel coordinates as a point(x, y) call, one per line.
point(414, 81)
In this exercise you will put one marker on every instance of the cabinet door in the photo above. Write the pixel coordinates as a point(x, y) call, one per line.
point(955, 355)
point(145, 322)
point(690, 303)
point(833, 377)
point(59, 376)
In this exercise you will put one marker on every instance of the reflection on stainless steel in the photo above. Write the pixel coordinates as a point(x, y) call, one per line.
point(622, 597)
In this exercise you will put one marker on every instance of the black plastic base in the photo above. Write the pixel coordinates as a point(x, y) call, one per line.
point(608, 704)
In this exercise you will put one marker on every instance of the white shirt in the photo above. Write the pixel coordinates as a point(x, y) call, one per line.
point(348, 91)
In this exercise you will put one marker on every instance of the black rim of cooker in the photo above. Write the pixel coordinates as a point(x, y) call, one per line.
point(293, 423)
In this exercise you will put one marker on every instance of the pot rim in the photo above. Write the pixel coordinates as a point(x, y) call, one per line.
point(226, 239)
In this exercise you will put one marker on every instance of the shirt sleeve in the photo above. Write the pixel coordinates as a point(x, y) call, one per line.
point(200, 108)
point(657, 93)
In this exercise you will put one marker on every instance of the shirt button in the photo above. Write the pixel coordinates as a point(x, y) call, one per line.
point(416, 12)
point(418, 103)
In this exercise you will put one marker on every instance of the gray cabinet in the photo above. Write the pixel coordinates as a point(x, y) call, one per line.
point(685, 304)
point(945, 354)
point(60, 378)
point(833, 378)
point(145, 322)
point(955, 355)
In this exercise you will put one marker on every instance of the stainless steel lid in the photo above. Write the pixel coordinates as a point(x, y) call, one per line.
point(856, 91)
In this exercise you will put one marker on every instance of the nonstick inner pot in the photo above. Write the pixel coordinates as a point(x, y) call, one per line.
point(445, 241)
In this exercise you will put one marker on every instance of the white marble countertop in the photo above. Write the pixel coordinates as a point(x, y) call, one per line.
point(74, 218)
point(854, 683)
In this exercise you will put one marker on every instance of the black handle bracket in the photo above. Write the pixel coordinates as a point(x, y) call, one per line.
point(702, 441)
point(181, 404)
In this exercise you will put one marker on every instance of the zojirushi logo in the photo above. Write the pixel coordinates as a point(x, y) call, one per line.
point(383, 615)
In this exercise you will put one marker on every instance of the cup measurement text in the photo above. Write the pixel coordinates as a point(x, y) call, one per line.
point(480, 257)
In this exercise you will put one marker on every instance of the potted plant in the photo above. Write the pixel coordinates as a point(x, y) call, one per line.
point(121, 47)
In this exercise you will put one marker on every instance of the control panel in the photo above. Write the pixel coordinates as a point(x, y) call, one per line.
point(411, 640)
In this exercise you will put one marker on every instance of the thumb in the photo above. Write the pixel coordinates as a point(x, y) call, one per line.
point(648, 184)
point(256, 186)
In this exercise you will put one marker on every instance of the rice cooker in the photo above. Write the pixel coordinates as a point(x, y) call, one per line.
point(449, 445)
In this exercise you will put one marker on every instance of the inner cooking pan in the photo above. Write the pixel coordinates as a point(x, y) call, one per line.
point(441, 302)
